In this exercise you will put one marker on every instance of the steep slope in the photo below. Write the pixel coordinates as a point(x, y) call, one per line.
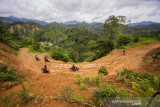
point(48, 85)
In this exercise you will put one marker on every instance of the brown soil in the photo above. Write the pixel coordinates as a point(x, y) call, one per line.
point(60, 77)
point(150, 64)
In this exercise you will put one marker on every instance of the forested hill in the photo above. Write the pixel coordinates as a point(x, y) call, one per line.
point(68, 42)
point(77, 42)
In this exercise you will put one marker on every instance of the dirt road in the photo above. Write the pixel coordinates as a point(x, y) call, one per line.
point(60, 77)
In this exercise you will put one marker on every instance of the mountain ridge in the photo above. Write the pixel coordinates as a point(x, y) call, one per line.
point(143, 23)
point(11, 19)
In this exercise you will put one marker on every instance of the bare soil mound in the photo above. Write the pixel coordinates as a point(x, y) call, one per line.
point(151, 61)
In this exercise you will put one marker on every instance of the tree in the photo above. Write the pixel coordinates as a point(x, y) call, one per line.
point(114, 25)
point(124, 39)
point(5, 36)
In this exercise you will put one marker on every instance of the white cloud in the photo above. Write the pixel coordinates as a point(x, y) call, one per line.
point(81, 10)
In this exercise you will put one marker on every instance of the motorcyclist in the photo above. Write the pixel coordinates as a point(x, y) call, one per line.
point(45, 68)
point(103, 70)
point(124, 52)
point(45, 59)
point(36, 57)
point(73, 67)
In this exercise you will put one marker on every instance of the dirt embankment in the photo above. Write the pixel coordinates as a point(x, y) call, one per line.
point(151, 61)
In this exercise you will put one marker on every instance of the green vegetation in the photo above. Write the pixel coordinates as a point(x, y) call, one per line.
point(6, 37)
point(83, 87)
point(78, 81)
point(86, 80)
point(77, 43)
point(24, 95)
point(7, 101)
point(89, 81)
point(145, 85)
point(8, 85)
point(124, 39)
point(108, 91)
point(69, 95)
point(142, 41)
point(9, 74)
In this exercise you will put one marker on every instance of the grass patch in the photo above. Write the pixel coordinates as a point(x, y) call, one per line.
point(142, 41)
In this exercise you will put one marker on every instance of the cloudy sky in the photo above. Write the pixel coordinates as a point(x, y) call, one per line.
point(81, 10)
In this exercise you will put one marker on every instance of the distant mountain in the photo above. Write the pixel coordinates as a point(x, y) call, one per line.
point(11, 19)
point(6, 20)
point(71, 23)
point(142, 23)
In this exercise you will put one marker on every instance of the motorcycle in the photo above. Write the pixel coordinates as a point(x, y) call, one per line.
point(46, 60)
point(45, 70)
point(74, 69)
point(38, 59)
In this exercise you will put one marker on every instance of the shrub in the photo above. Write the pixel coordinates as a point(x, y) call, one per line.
point(35, 46)
point(136, 38)
point(107, 91)
point(95, 80)
point(83, 87)
point(154, 57)
point(8, 85)
point(121, 78)
point(67, 93)
point(78, 81)
point(77, 99)
point(128, 73)
point(143, 89)
point(146, 76)
point(86, 80)
point(3, 68)
point(89, 101)
point(24, 95)
point(9, 74)
point(156, 82)
point(158, 38)
point(60, 56)
point(158, 53)
point(124, 39)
